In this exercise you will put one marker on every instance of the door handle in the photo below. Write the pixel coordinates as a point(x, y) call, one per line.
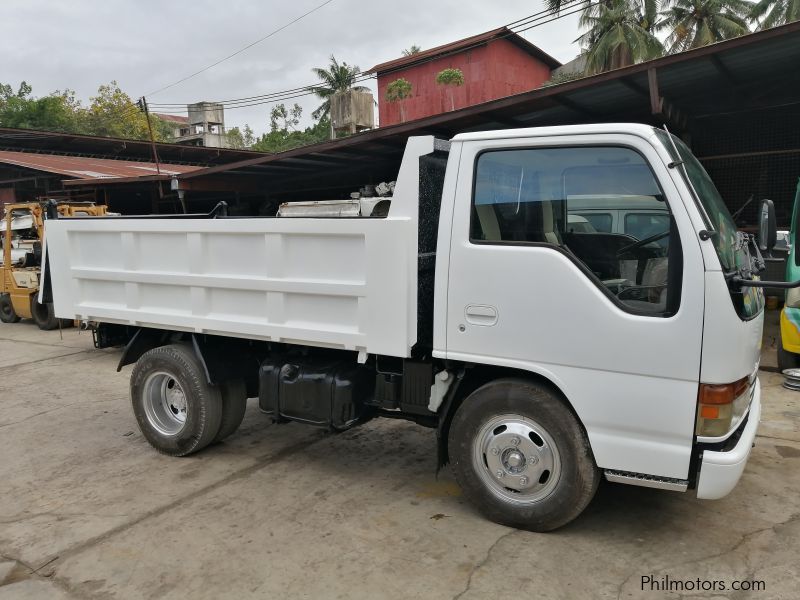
point(481, 314)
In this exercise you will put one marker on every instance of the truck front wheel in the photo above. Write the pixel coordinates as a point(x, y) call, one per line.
point(178, 411)
point(521, 457)
point(7, 312)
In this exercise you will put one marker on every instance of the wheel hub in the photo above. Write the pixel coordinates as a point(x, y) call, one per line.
point(513, 461)
point(165, 403)
point(516, 458)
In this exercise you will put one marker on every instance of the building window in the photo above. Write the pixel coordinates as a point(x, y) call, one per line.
point(601, 206)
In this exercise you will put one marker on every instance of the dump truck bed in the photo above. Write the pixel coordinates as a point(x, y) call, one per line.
point(331, 282)
point(348, 283)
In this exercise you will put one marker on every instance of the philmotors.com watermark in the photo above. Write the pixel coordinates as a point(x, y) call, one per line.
point(665, 583)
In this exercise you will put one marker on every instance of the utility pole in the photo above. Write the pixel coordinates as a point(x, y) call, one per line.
point(142, 104)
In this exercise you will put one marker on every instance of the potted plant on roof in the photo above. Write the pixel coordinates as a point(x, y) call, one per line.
point(450, 78)
point(397, 91)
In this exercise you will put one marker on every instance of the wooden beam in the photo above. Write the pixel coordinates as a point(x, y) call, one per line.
point(220, 183)
point(656, 102)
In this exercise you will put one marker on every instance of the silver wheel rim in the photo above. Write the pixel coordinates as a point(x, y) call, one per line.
point(164, 403)
point(516, 459)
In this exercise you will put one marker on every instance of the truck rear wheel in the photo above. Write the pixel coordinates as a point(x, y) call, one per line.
point(178, 411)
point(521, 457)
point(43, 314)
point(7, 312)
point(234, 404)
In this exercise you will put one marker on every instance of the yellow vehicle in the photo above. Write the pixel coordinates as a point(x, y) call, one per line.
point(21, 263)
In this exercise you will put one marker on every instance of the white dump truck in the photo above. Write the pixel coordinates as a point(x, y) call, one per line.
point(544, 355)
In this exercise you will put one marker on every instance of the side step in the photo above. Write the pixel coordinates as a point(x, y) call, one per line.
point(651, 481)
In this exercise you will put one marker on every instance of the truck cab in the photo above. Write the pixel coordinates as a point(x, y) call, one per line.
point(638, 333)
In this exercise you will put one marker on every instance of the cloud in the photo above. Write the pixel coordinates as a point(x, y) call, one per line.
point(145, 45)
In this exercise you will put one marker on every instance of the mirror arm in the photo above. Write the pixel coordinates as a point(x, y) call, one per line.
point(759, 283)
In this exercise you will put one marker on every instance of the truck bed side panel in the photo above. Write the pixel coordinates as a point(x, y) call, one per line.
point(339, 283)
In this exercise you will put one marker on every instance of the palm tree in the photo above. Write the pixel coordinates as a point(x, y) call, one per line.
point(771, 13)
point(556, 6)
point(695, 23)
point(414, 49)
point(620, 33)
point(336, 78)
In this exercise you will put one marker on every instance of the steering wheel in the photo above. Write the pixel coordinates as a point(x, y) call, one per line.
point(640, 243)
point(637, 292)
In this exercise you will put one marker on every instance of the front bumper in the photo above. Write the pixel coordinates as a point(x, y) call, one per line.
point(720, 471)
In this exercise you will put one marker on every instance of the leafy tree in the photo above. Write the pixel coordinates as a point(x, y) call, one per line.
point(450, 78)
point(619, 33)
point(59, 111)
point(336, 78)
point(695, 23)
point(771, 13)
point(283, 134)
point(163, 131)
point(112, 113)
point(240, 139)
point(411, 51)
point(288, 118)
point(397, 91)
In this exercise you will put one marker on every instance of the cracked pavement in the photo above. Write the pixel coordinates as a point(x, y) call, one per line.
point(89, 510)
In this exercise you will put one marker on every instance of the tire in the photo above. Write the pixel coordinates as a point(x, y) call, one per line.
point(543, 474)
point(234, 404)
point(43, 315)
point(786, 359)
point(178, 411)
point(7, 312)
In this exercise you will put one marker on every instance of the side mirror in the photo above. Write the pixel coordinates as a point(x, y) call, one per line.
point(767, 226)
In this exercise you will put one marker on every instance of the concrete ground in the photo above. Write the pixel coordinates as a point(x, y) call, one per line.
point(89, 510)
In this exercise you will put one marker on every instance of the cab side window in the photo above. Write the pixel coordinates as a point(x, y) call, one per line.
point(565, 198)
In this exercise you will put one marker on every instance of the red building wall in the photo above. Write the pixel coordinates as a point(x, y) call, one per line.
point(494, 70)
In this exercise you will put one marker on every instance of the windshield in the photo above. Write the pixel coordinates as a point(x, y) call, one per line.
point(715, 209)
point(748, 300)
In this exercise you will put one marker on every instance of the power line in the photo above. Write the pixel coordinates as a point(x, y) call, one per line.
point(541, 18)
point(514, 25)
point(258, 41)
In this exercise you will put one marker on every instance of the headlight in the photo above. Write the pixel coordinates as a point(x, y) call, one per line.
point(720, 407)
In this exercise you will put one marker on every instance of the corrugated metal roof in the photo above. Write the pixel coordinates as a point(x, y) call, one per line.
point(172, 118)
point(475, 40)
point(85, 168)
point(53, 142)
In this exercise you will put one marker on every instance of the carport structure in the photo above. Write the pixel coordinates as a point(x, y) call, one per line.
point(737, 103)
point(36, 164)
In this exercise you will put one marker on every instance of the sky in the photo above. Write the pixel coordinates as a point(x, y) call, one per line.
point(146, 45)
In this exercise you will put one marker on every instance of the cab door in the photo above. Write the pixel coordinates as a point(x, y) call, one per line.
point(613, 321)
